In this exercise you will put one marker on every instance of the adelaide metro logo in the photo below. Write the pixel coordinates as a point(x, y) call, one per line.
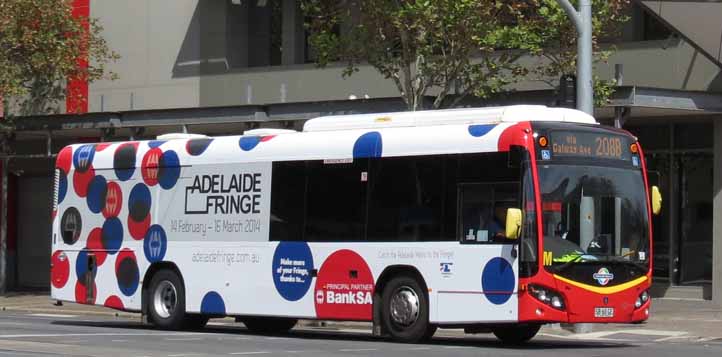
point(603, 276)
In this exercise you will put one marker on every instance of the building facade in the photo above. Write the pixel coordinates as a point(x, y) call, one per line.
point(223, 66)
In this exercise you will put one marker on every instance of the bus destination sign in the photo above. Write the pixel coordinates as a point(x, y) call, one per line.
point(590, 145)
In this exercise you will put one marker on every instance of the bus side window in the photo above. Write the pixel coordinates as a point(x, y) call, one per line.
point(288, 200)
point(405, 199)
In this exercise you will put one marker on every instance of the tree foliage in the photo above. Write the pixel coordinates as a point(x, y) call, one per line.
point(556, 36)
point(452, 49)
point(438, 47)
point(41, 45)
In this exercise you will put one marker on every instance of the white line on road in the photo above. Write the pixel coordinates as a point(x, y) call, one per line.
point(53, 315)
point(417, 349)
point(250, 353)
point(184, 339)
point(184, 354)
point(95, 334)
point(358, 349)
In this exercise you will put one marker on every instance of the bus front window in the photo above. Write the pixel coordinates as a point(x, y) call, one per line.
point(592, 214)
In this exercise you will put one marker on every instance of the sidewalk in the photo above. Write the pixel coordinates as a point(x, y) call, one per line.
point(695, 318)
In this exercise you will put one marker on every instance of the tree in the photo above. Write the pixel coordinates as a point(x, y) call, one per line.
point(438, 48)
point(453, 49)
point(41, 46)
point(556, 38)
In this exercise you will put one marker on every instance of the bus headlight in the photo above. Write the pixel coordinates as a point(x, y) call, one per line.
point(547, 296)
point(641, 299)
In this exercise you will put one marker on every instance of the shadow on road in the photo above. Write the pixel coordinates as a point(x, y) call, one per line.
point(331, 334)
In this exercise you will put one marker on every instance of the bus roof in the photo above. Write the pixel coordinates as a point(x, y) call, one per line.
point(489, 115)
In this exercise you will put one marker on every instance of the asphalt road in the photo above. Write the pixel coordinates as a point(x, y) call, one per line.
point(26, 334)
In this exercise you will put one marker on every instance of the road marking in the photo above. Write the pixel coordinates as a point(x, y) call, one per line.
point(96, 334)
point(417, 349)
point(184, 354)
point(53, 315)
point(184, 339)
point(119, 340)
point(358, 349)
point(250, 353)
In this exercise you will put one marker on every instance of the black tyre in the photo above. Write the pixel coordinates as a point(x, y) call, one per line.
point(166, 301)
point(515, 335)
point(405, 310)
point(269, 325)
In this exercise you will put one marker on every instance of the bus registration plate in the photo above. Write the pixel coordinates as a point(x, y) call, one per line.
point(603, 312)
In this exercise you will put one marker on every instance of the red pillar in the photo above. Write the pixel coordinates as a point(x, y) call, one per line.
point(77, 92)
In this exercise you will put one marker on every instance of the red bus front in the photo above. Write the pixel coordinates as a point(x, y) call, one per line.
point(593, 236)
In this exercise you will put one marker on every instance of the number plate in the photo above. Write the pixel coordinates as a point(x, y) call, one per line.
point(603, 312)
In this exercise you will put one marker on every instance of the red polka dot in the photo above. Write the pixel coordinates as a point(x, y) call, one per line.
point(101, 147)
point(95, 244)
point(65, 159)
point(81, 293)
point(60, 271)
point(113, 200)
point(339, 296)
point(149, 166)
point(114, 302)
point(137, 229)
point(81, 181)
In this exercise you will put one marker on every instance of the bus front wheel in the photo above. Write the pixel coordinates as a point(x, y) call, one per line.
point(405, 310)
point(166, 301)
point(517, 334)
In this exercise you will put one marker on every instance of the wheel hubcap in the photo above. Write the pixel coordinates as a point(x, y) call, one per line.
point(165, 299)
point(404, 306)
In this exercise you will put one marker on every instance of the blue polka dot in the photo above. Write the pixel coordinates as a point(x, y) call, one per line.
point(196, 147)
point(81, 266)
point(97, 190)
point(83, 158)
point(498, 281)
point(291, 268)
point(127, 273)
point(247, 143)
point(155, 143)
point(213, 304)
point(480, 130)
point(155, 243)
point(124, 161)
point(168, 169)
point(368, 145)
point(139, 202)
point(112, 235)
point(62, 186)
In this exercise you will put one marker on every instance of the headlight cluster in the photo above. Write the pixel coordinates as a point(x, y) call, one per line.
point(547, 296)
point(641, 299)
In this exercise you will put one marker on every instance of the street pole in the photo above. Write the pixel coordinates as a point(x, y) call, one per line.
point(582, 20)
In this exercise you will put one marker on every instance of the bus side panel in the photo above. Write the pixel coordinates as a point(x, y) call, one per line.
point(96, 238)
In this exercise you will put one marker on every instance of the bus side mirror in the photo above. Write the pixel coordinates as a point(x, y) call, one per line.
point(513, 223)
point(656, 200)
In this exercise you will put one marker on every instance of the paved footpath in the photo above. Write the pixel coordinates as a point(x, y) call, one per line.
point(672, 320)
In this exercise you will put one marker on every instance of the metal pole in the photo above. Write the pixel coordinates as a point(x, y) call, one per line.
point(582, 20)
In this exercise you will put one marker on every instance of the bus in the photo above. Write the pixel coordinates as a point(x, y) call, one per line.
point(496, 220)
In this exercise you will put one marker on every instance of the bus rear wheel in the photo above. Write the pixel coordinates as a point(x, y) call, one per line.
point(269, 325)
point(405, 310)
point(518, 334)
point(166, 301)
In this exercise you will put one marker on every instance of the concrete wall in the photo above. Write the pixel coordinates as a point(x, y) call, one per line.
point(186, 53)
